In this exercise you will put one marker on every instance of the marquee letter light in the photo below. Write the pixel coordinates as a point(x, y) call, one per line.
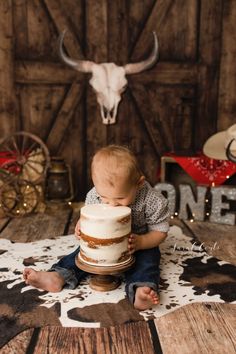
point(169, 189)
point(108, 79)
point(197, 207)
point(218, 205)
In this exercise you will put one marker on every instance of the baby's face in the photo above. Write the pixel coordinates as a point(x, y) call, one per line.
point(117, 195)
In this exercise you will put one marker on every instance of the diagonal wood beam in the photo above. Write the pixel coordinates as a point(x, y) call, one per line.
point(61, 23)
point(62, 121)
point(156, 139)
point(157, 16)
point(64, 117)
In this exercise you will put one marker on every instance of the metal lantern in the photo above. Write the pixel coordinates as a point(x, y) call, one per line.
point(59, 186)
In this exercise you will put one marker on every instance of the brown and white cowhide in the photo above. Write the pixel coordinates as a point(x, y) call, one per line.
point(188, 274)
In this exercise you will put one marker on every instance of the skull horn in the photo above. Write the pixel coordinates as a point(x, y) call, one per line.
point(229, 154)
point(84, 66)
point(145, 64)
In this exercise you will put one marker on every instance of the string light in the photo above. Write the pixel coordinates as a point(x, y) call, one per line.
point(208, 204)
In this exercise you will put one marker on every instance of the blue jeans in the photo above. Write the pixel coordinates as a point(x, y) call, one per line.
point(145, 271)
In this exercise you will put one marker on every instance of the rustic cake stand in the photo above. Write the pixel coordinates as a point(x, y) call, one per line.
point(104, 278)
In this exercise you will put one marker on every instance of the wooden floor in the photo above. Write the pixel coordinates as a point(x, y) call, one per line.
point(195, 328)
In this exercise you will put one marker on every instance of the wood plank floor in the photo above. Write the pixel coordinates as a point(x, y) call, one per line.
point(199, 328)
point(195, 328)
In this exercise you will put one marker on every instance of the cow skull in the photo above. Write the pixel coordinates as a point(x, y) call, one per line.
point(108, 79)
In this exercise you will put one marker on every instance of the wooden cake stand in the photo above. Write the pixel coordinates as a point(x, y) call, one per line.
point(104, 278)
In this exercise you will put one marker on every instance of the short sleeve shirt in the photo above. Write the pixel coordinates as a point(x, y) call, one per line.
point(149, 211)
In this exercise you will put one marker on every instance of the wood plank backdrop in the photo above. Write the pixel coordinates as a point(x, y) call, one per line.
point(175, 106)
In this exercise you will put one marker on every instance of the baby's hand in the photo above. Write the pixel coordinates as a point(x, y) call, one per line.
point(77, 230)
point(132, 243)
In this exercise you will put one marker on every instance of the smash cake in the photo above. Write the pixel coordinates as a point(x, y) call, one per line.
point(104, 233)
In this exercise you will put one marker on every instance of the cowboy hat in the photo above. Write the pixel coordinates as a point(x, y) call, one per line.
point(222, 145)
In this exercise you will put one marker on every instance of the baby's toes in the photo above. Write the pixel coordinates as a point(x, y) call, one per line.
point(25, 273)
point(152, 293)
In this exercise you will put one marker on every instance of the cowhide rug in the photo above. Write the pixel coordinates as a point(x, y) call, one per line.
point(188, 274)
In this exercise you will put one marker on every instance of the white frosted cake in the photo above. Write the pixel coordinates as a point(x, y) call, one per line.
point(104, 234)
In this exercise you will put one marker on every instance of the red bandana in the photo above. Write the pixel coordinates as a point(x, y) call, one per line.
point(205, 170)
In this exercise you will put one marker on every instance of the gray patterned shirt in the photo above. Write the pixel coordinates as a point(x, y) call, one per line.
point(149, 211)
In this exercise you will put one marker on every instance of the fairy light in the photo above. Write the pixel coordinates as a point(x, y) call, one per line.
point(208, 201)
point(25, 204)
point(172, 217)
point(227, 177)
point(69, 203)
point(213, 184)
point(176, 214)
point(191, 220)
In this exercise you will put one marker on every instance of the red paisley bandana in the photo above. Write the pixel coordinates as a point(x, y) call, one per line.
point(205, 170)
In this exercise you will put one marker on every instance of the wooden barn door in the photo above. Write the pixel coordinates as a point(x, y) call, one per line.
point(170, 107)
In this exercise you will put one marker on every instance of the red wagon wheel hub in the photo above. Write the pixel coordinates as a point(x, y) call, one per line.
point(25, 154)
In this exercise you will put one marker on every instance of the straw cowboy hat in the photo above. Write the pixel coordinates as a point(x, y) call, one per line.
point(222, 145)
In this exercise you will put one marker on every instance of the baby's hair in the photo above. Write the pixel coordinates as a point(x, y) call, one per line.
point(116, 162)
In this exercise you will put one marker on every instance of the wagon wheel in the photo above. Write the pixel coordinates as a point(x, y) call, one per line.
point(27, 156)
point(18, 197)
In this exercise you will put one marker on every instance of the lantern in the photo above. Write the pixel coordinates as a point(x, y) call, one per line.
point(59, 185)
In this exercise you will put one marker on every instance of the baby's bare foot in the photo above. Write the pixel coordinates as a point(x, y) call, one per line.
point(145, 298)
point(49, 281)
